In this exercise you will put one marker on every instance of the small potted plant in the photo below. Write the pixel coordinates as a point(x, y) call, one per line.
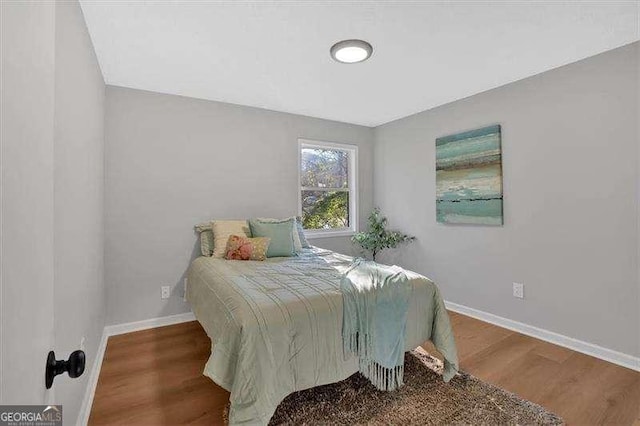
point(377, 237)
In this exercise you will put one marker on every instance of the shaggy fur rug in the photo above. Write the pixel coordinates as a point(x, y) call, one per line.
point(424, 399)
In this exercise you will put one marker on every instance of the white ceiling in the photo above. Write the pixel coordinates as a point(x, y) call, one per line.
point(275, 55)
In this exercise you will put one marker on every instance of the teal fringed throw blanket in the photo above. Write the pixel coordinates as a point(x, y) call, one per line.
point(375, 304)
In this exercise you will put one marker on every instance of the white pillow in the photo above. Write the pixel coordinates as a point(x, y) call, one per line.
point(223, 229)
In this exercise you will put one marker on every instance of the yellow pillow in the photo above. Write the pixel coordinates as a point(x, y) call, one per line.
point(243, 248)
point(223, 229)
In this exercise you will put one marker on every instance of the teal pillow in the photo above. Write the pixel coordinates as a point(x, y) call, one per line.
point(281, 234)
point(303, 239)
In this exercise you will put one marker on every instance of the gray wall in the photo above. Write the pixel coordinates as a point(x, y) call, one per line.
point(172, 162)
point(570, 159)
point(26, 233)
point(637, 118)
point(79, 302)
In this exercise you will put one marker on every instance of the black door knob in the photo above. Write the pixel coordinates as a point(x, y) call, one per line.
point(74, 366)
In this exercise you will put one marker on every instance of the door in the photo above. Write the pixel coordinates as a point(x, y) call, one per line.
point(26, 192)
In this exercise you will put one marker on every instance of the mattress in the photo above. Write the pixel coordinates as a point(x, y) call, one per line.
point(275, 326)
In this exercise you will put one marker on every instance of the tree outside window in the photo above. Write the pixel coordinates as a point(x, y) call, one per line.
point(327, 187)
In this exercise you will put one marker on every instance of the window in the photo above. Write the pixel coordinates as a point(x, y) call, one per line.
point(328, 188)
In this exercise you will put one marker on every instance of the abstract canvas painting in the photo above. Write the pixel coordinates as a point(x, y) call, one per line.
point(469, 177)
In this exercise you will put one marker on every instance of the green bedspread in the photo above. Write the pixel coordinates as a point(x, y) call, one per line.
point(275, 326)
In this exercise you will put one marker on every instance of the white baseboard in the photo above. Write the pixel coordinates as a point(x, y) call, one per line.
point(112, 330)
point(610, 355)
point(90, 390)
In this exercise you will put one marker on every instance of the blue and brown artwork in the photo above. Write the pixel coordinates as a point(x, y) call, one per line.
point(469, 177)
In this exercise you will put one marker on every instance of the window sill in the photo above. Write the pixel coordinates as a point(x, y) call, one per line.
point(328, 234)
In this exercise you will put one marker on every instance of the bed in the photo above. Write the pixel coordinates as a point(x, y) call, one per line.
point(275, 326)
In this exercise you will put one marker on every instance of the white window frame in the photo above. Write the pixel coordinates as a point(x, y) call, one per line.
point(352, 182)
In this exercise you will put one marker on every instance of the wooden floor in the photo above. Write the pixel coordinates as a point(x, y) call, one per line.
point(154, 377)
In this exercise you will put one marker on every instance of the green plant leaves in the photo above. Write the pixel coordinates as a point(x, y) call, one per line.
point(377, 237)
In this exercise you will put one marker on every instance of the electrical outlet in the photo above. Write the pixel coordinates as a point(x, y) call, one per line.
point(166, 291)
point(518, 290)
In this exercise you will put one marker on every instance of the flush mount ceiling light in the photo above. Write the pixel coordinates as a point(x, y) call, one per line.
point(351, 51)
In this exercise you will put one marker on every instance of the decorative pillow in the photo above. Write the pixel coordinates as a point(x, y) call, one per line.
point(223, 229)
point(206, 238)
point(296, 238)
point(303, 240)
point(243, 248)
point(281, 234)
